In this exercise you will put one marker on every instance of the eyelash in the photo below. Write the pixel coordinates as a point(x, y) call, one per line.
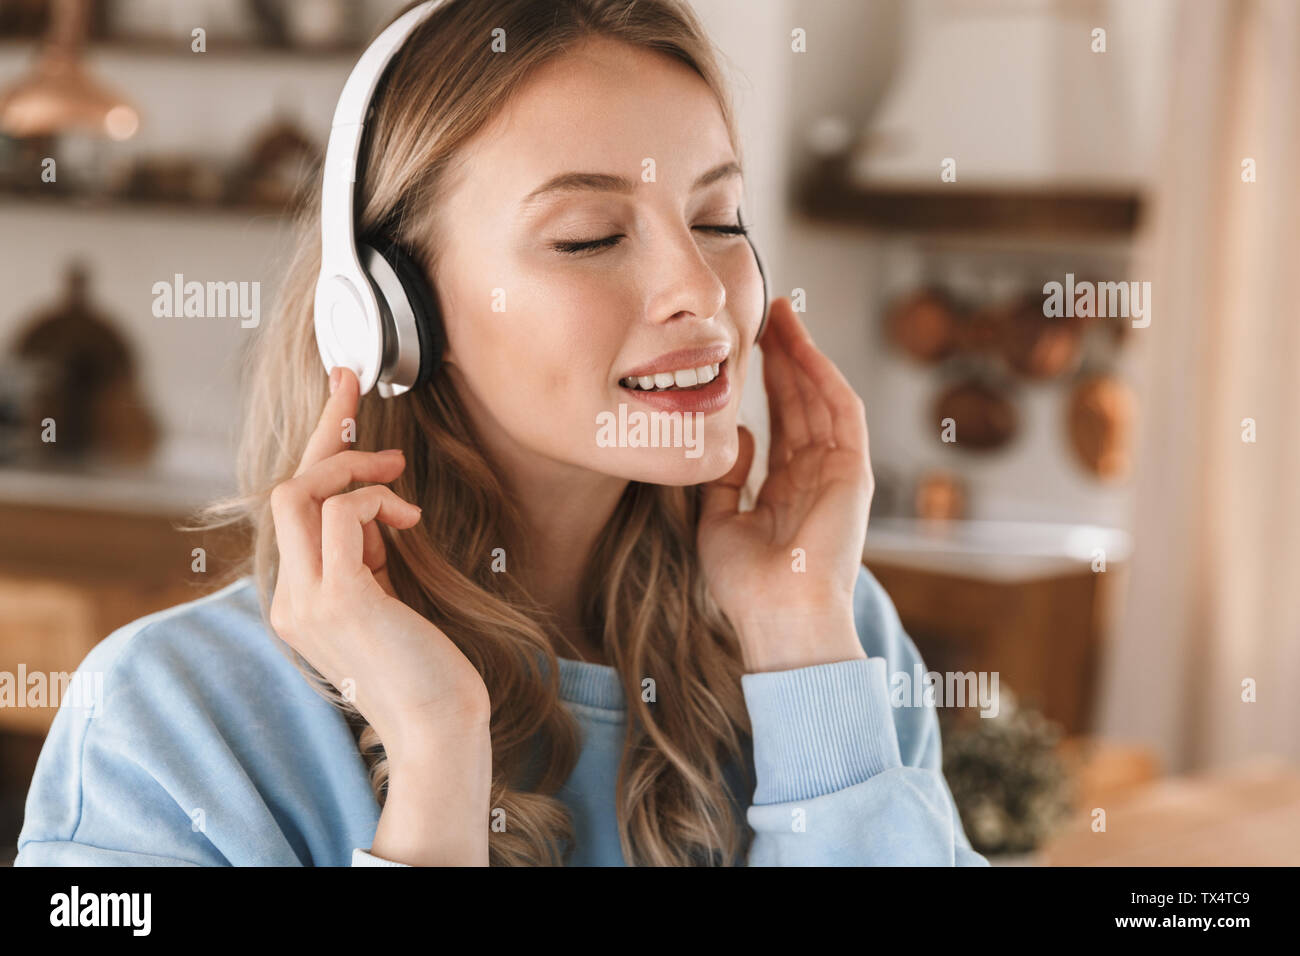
point(577, 248)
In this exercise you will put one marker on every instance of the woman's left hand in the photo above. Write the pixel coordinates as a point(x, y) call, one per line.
point(784, 572)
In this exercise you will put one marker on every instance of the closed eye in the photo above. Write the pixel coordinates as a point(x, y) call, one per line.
point(577, 248)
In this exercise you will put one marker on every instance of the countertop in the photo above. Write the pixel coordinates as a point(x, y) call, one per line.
point(993, 550)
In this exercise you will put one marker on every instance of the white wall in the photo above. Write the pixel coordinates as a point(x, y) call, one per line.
point(1013, 90)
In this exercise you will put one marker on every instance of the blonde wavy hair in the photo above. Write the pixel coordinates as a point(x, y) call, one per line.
point(642, 590)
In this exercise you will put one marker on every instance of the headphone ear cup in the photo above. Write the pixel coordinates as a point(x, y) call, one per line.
point(424, 305)
point(762, 324)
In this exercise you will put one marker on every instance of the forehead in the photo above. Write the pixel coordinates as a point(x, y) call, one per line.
point(604, 106)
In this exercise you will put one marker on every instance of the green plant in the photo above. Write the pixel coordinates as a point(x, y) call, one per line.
point(1007, 778)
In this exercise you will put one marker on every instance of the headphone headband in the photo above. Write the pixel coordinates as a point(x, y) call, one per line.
point(349, 320)
point(338, 198)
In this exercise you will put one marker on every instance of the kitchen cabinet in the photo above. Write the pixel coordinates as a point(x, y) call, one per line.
point(70, 576)
point(1018, 599)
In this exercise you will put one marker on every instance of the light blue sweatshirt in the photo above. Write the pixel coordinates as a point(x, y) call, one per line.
point(209, 748)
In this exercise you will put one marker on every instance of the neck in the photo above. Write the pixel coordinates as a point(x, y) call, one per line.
point(564, 514)
point(564, 509)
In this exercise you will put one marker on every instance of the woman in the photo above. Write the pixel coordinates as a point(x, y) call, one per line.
point(526, 644)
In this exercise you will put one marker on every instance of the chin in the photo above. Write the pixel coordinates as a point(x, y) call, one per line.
point(706, 460)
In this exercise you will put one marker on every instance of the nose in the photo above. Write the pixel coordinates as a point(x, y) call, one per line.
point(687, 284)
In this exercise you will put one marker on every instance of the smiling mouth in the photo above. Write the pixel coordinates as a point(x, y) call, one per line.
point(681, 380)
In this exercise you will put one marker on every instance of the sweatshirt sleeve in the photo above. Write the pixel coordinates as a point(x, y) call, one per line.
point(843, 778)
point(362, 857)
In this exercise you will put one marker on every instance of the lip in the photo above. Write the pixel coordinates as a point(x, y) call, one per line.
point(681, 359)
point(704, 399)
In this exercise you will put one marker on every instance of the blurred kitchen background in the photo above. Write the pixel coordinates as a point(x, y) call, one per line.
point(1115, 529)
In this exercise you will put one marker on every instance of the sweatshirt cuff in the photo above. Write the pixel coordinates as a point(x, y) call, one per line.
point(362, 858)
point(819, 729)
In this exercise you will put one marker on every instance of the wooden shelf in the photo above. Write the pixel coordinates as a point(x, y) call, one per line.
point(70, 577)
point(828, 194)
point(69, 199)
point(164, 46)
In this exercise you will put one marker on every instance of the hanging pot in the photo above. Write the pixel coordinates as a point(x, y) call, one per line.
point(983, 417)
point(1040, 347)
point(981, 330)
point(923, 324)
point(1100, 419)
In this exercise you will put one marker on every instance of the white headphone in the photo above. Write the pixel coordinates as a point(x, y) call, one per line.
point(374, 311)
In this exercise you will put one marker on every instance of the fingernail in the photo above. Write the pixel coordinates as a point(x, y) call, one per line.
point(336, 373)
point(392, 451)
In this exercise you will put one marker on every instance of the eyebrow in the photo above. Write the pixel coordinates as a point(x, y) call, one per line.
point(606, 182)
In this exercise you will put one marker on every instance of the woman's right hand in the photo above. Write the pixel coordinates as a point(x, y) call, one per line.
point(334, 602)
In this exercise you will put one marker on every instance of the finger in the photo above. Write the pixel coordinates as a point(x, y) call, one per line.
point(848, 414)
point(777, 452)
point(331, 476)
point(721, 497)
point(374, 554)
point(785, 402)
point(817, 414)
point(784, 406)
point(295, 505)
point(343, 518)
point(327, 438)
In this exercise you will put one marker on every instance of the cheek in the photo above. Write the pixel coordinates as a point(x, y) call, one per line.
point(544, 356)
point(747, 306)
point(565, 340)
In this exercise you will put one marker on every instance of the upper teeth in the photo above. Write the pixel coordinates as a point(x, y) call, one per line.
point(684, 378)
